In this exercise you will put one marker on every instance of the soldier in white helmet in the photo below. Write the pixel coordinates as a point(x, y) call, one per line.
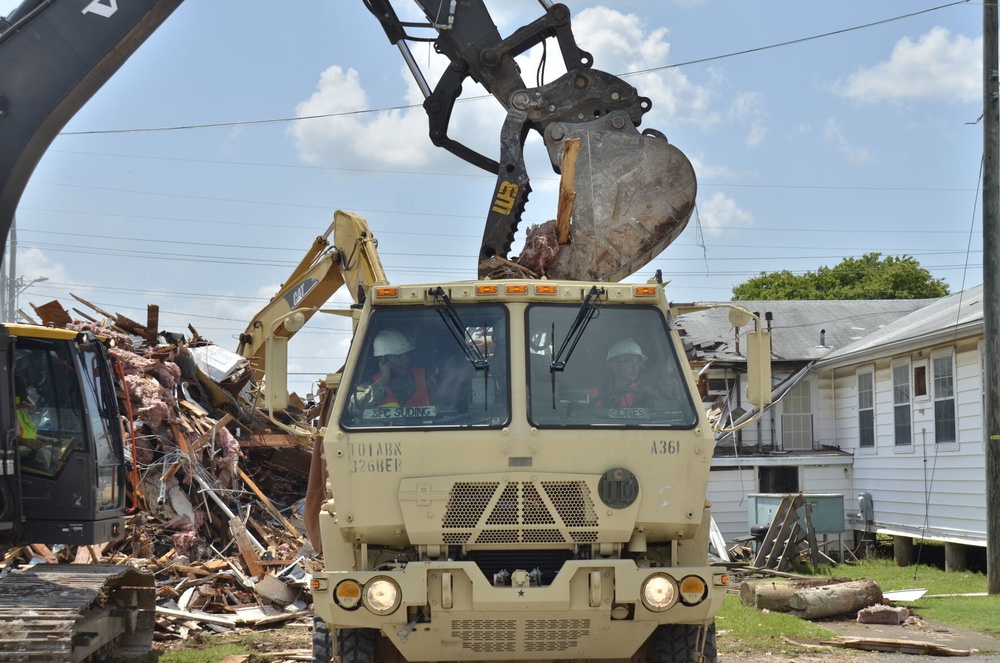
point(622, 386)
point(398, 383)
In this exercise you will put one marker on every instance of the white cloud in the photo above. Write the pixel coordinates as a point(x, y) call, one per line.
point(721, 213)
point(621, 43)
point(398, 138)
point(393, 138)
point(34, 264)
point(853, 153)
point(748, 108)
point(938, 66)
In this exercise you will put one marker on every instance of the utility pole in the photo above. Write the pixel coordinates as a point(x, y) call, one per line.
point(991, 291)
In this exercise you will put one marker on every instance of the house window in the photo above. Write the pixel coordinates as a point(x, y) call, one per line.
point(902, 421)
point(796, 418)
point(866, 408)
point(944, 398)
point(778, 479)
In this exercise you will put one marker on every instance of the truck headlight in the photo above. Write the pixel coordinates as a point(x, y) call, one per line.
point(382, 595)
point(659, 592)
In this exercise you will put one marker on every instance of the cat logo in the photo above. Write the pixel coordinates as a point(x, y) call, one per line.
point(103, 8)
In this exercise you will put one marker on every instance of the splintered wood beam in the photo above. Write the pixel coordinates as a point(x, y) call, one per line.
point(84, 315)
point(273, 510)
point(247, 550)
point(567, 189)
point(152, 323)
point(93, 306)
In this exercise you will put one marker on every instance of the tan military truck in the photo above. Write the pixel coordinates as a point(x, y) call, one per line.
point(519, 471)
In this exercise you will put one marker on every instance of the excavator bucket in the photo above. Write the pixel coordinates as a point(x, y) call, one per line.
point(634, 194)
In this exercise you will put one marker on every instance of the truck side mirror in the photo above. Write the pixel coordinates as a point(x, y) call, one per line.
point(759, 367)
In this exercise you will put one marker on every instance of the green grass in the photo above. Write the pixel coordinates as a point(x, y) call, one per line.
point(975, 613)
point(742, 628)
point(746, 629)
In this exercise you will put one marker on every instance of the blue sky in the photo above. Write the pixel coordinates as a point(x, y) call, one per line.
point(857, 141)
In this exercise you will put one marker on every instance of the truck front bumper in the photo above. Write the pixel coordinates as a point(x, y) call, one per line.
point(450, 611)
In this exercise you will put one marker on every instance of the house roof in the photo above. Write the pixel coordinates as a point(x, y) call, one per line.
point(803, 330)
point(953, 316)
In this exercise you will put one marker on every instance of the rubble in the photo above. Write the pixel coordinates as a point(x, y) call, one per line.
point(213, 485)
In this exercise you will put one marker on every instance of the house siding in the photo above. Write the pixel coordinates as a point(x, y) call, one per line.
point(925, 489)
point(729, 488)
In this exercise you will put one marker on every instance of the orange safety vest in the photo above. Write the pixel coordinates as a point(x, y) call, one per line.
point(625, 398)
point(420, 397)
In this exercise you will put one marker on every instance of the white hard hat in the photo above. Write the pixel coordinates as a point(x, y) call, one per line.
point(391, 342)
point(625, 346)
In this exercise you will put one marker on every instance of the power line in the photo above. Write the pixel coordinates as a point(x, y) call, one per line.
point(365, 111)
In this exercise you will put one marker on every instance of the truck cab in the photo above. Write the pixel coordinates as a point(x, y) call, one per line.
point(518, 471)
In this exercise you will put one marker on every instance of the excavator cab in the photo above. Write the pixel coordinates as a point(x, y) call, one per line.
point(64, 465)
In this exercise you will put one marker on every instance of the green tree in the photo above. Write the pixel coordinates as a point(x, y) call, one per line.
point(869, 277)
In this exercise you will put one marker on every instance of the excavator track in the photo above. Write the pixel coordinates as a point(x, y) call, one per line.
point(74, 613)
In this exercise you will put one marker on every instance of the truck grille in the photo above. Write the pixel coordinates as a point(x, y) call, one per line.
point(495, 512)
point(496, 636)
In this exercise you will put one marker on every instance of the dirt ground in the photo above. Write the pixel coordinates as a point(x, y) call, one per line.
point(293, 640)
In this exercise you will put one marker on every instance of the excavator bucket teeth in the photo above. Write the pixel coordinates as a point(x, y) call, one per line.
point(634, 195)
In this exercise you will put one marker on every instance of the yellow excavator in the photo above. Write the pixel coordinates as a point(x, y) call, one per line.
point(351, 260)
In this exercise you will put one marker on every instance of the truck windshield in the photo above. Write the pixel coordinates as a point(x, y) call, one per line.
point(414, 370)
point(624, 371)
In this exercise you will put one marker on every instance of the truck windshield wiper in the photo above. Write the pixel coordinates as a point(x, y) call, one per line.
point(588, 311)
point(458, 329)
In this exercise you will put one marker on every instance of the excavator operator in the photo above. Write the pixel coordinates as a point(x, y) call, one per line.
point(398, 384)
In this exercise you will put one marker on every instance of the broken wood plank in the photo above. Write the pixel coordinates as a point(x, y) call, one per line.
point(897, 646)
point(205, 437)
point(247, 550)
point(93, 306)
point(221, 620)
point(44, 552)
point(567, 189)
point(273, 510)
point(152, 323)
point(53, 314)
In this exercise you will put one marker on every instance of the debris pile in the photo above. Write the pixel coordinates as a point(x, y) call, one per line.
point(216, 488)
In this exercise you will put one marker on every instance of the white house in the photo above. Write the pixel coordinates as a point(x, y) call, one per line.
point(878, 401)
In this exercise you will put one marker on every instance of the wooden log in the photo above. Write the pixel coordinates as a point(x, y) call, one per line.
point(830, 600)
point(776, 593)
point(748, 588)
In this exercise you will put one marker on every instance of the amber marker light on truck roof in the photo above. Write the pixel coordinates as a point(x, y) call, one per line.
point(487, 289)
point(645, 290)
point(518, 289)
point(387, 292)
point(545, 290)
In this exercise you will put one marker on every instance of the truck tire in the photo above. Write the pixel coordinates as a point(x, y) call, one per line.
point(356, 645)
point(678, 643)
point(322, 641)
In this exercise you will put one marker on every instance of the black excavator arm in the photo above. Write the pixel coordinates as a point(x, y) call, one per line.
point(54, 55)
point(634, 192)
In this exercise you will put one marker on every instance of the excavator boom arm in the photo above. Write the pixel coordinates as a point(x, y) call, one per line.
point(55, 55)
point(351, 260)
